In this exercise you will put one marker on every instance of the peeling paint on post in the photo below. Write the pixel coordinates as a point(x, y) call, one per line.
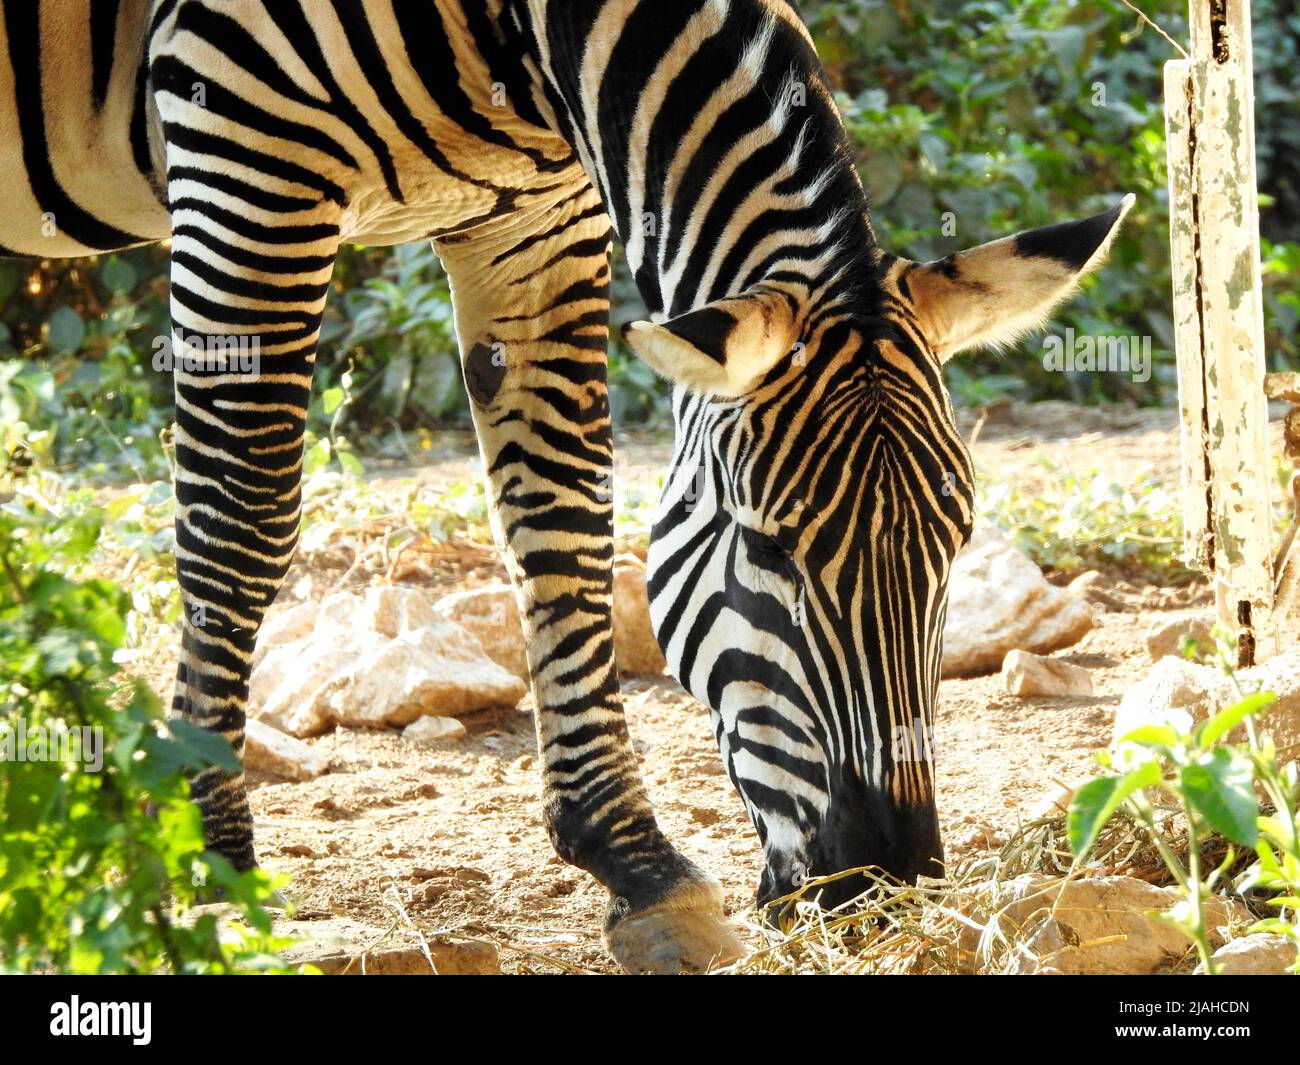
point(1219, 321)
point(1286, 568)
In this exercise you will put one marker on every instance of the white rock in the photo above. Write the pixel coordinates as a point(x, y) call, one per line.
point(1027, 674)
point(385, 659)
point(1183, 693)
point(1100, 925)
point(1054, 802)
point(393, 611)
point(999, 601)
point(636, 648)
point(429, 731)
point(492, 614)
point(1166, 638)
point(339, 946)
point(1092, 586)
point(271, 665)
point(270, 751)
point(296, 673)
point(1261, 954)
point(285, 627)
point(438, 669)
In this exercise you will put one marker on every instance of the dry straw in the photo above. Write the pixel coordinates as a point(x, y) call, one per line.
point(959, 924)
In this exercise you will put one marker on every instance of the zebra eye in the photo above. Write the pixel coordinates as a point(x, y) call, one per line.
point(764, 550)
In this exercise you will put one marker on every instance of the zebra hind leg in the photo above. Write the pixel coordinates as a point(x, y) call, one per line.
point(531, 301)
point(248, 284)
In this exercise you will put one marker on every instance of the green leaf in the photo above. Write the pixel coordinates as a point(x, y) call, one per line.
point(66, 331)
point(332, 398)
point(180, 745)
point(1218, 726)
point(1152, 736)
point(1220, 788)
point(118, 275)
point(318, 456)
point(1096, 802)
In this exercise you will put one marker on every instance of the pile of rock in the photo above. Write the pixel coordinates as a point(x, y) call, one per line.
point(1167, 637)
point(394, 658)
point(1027, 674)
point(339, 946)
point(382, 660)
point(1091, 926)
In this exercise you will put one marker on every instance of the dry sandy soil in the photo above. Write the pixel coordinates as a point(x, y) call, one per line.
point(454, 833)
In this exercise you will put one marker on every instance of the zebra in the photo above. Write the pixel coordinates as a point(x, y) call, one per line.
point(819, 488)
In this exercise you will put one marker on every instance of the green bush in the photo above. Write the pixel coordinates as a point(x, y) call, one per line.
point(101, 850)
point(975, 120)
point(76, 346)
point(1214, 786)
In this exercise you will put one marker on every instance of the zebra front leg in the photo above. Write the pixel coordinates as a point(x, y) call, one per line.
point(247, 291)
point(532, 306)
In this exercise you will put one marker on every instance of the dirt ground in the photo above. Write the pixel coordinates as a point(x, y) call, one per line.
point(453, 835)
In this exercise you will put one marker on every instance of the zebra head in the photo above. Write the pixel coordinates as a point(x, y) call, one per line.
point(800, 557)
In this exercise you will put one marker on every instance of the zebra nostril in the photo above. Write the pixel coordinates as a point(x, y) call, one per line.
point(798, 874)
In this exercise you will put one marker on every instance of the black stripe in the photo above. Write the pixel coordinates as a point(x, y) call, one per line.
point(631, 64)
point(140, 153)
point(172, 75)
point(103, 35)
point(256, 231)
point(22, 25)
point(292, 22)
point(245, 51)
point(195, 140)
point(251, 260)
point(429, 51)
point(371, 60)
point(250, 194)
point(258, 289)
point(504, 54)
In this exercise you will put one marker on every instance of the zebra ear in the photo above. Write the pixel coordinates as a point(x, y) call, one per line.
point(724, 348)
point(994, 293)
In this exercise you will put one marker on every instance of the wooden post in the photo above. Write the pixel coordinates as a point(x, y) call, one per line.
point(1219, 321)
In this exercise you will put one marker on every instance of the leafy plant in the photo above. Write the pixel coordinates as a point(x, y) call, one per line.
point(973, 122)
point(101, 849)
point(1213, 784)
point(77, 381)
point(1077, 520)
point(391, 336)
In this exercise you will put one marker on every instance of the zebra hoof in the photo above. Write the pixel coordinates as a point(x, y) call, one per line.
point(674, 937)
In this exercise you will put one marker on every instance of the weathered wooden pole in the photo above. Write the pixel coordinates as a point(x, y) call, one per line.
point(1286, 569)
point(1219, 321)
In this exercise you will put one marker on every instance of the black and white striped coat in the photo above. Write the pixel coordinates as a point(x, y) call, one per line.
point(819, 488)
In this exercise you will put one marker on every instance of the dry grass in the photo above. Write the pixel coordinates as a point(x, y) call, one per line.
point(956, 925)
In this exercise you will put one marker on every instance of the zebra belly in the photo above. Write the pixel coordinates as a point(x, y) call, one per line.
point(436, 205)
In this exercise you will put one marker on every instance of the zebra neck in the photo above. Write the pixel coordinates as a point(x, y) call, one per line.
point(713, 138)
